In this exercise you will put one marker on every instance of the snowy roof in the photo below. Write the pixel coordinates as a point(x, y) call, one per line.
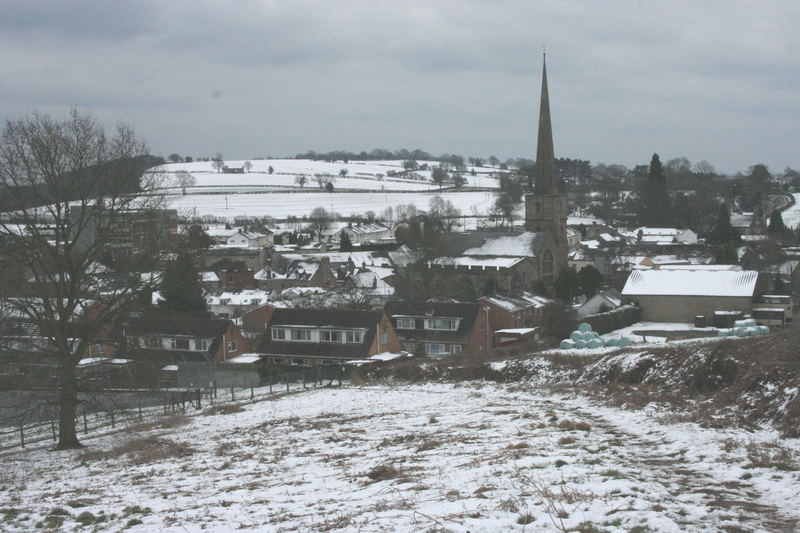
point(691, 283)
point(245, 358)
point(701, 267)
point(89, 361)
point(479, 261)
point(516, 331)
point(238, 297)
point(519, 245)
point(514, 303)
point(367, 228)
point(664, 232)
point(389, 356)
point(209, 276)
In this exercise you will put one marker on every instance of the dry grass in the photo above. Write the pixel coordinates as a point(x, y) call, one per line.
point(383, 472)
point(227, 409)
point(168, 422)
point(142, 451)
point(771, 455)
point(571, 425)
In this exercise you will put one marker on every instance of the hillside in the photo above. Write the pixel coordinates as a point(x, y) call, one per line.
point(717, 382)
point(456, 453)
point(366, 186)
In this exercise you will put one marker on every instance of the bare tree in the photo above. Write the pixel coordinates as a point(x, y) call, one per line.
point(184, 179)
point(68, 190)
point(320, 220)
point(218, 162)
point(300, 179)
point(247, 166)
point(325, 180)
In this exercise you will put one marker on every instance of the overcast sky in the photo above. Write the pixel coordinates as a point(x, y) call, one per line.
point(715, 80)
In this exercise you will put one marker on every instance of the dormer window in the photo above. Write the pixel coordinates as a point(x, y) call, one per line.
point(406, 323)
point(447, 324)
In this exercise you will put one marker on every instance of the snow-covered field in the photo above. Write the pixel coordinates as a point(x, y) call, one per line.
point(477, 457)
point(281, 205)
point(791, 217)
point(361, 175)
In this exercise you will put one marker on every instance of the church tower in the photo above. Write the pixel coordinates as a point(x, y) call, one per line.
point(546, 208)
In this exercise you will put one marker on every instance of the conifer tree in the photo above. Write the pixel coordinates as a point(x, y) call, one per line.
point(345, 244)
point(723, 231)
point(180, 288)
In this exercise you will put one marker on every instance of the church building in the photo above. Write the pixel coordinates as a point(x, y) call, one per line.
point(512, 262)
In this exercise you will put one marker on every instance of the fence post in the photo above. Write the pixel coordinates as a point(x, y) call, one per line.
point(53, 428)
point(199, 397)
point(270, 384)
point(252, 394)
point(287, 383)
point(341, 371)
point(232, 396)
point(112, 418)
point(21, 434)
point(140, 411)
point(85, 425)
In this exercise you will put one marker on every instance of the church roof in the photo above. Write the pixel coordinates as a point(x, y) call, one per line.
point(545, 155)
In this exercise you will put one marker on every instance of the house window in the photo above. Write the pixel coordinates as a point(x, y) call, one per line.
point(547, 266)
point(179, 344)
point(353, 337)
point(450, 324)
point(434, 349)
point(406, 323)
point(277, 359)
point(455, 348)
point(152, 342)
point(385, 338)
point(201, 344)
point(278, 334)
point(331, 336)
point(301, 334)
point(232, 346)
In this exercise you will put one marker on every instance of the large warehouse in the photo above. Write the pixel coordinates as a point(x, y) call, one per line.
point(679, 294)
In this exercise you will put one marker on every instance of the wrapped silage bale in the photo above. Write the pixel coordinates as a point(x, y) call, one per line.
point(763, 330)
point(625, 341)
point(740, 331)
point(752, 331)
point(612, 342)
point(740, 323)
point(580, 344)
point(752, 322)
point(576, 336)
point(723, 333)
point(584, 327)
point(594, 343)
point(567, 344)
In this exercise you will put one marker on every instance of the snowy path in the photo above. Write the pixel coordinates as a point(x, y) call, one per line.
point(438, 457)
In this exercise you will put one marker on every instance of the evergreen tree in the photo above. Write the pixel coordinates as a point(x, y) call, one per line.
point(723, 231)
point(776, 226)
point(566, 286)
point(180, 288)
point(589, 280)
point(656, 172)
point(655, 204)
point(726, 254)
point(345, 244)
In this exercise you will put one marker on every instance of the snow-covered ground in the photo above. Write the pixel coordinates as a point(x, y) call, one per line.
point(361, 175)
point(473, 457)
point(791, 217)
point(283, 204)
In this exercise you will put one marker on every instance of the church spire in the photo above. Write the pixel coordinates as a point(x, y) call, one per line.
point(545, 156)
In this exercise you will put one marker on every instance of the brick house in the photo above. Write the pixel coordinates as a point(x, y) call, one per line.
point(234, 274)
point(313, 336)
point(508, 312)
point(180, 337)
point(439, 328)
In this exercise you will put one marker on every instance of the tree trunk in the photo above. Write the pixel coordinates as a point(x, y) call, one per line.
point(67, 405)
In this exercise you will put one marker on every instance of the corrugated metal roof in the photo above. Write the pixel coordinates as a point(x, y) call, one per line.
point(691, 283)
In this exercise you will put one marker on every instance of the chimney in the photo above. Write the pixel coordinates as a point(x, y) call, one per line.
point(375, 282)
